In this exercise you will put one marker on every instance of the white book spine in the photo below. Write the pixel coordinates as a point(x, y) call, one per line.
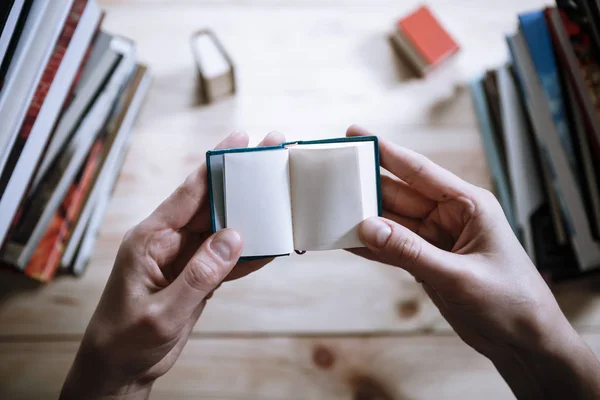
point(27, 68)
point(18, 254)
point(9, 27)
point(108, 172)
point(68, 121)
point(40, 132)
point(524, 178)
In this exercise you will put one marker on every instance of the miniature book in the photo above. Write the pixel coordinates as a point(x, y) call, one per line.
point(423, 41)
point(215, 69)
point(300, 196)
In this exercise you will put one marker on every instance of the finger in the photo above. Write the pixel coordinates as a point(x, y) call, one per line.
point(418, 171)
point(403, 200)
point(399, 246)
point(427, 229)
point(209, 266)
point(183, 204)
point(246, 268)
point(366, 253)
point(410, 223)
point(272, 139)
point(185, 253)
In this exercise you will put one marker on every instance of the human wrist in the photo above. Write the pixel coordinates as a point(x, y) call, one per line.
point(129, 392)
point(79, 386)
point(93, 377)
point(561, 366)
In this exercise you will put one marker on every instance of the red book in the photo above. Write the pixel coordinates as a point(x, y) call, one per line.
point(46, 258)
point(580, 61)
point(422, 36)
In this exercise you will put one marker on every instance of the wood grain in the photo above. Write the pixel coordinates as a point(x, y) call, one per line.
point(283, 368)
point(309, 72)
point(307, 68)
point(286, 368)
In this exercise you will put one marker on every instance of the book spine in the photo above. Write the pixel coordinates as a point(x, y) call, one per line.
point(589, 74)
point(86, 57)
point(43, 88)
point(16, 220)
point(493, 152)
point(545, 164)
point(52, 67)
point(46, 258)
point(14, 41)
point(537, 36)
point(563, 180)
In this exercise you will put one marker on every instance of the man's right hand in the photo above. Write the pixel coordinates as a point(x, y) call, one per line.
point(453, 237)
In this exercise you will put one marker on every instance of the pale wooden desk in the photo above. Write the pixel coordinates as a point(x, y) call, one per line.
point(323, 326)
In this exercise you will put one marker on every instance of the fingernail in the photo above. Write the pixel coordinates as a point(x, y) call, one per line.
point(277, 136)
point(359, 130)
point(236, 132)
point(375, 232)
point(226, 244)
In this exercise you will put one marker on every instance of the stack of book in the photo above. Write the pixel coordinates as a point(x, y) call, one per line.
point(539, 118)
point(69, 95)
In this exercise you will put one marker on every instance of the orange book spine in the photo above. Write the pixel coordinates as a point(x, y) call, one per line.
point(46, 258)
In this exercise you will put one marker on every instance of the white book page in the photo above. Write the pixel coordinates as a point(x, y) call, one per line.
point(257, 201)
point(333, 190)
point(212, 60)
point(368, 179)
point(217, 165)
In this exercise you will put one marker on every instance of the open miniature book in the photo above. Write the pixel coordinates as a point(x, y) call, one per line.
point(304, 196)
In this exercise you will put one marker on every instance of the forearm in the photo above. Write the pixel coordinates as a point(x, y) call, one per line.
point(77, 390)
point(566, 370)
point(88, 379)
point(75, 393)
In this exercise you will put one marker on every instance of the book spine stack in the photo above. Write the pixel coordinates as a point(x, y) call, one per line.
point(69, 95)
point(543, 106)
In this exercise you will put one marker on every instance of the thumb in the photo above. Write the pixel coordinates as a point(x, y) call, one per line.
point(209, 266)
point(397, 245)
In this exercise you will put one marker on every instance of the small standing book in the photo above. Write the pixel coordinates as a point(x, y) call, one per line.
point(423, 41)
point(216, 72)
point(300, 196)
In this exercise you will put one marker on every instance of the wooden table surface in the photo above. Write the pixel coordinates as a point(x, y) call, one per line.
point(319, 326)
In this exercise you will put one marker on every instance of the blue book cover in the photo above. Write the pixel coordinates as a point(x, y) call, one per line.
point(562, 222)
point(538, 39)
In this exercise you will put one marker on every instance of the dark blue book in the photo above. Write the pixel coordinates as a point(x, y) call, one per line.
point(537, 36)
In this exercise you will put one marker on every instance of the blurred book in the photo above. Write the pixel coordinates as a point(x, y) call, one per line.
point(46, 257)
point(77, 92)
point(117, 142)
point(14, 14)
point(493, 148)
point(546, 174)
point(61, 71)
point(421, 40)
point(216, 73)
